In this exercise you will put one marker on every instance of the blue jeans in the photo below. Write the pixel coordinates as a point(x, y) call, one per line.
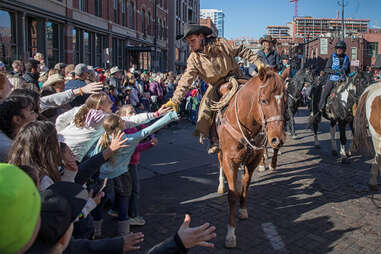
point(134, 206)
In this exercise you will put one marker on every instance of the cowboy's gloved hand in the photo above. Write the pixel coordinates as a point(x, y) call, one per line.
point(261, 68)
point(171, 104)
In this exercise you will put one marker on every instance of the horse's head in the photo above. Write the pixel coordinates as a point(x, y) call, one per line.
point(302, 77)
point(271, 106)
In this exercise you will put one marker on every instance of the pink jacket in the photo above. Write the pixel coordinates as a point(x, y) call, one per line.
point(135, 158)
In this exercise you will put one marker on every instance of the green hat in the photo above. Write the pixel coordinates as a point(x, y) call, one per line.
point(20, 208)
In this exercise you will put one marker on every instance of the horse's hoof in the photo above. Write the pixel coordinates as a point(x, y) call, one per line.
point(334, 153)
point(242, 214)
point(373, 187)
point(294, 137)
point(261, 168)
point(231, 242)
point(349, 154)
point(271, 168)
point(344, 160)
point(221, 189)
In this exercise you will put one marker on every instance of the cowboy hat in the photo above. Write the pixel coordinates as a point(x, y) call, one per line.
point(114, 70)
point(53, 79)
point(268, 38)
point(190, 29)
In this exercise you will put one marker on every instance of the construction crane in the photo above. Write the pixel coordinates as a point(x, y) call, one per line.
point(296, 7)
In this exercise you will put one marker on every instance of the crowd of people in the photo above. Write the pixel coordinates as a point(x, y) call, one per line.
point(70, 143)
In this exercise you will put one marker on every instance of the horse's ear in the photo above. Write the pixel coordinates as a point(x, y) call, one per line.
point(262, 74)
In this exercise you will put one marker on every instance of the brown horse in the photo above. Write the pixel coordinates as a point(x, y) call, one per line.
point(254, 117)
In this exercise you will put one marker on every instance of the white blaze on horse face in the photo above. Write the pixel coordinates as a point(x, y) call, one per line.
point(279, 99)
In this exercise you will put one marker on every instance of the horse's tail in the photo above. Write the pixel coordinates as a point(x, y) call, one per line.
point(360, 142)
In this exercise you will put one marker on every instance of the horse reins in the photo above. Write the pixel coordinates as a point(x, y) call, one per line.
point(264, 121)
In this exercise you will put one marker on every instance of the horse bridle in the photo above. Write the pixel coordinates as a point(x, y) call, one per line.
point(264, 120)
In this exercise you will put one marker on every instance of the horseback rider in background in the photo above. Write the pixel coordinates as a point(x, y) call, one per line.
point(212, 59)
point(337, 66)
point(268, 55)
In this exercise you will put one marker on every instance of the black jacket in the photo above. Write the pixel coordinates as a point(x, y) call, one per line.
point(272, 59)
point(31, 78)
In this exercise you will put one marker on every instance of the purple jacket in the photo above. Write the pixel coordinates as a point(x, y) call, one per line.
point(155, 89)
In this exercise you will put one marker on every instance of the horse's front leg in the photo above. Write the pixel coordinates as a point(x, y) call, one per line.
point(292, 123)
point(221, 179)
point(262, 162)
point(316, 137)
point(332, 131)
point(343, 141)
point(230, 170)
point(374, 173)
point(249, 169)
point(274, 159)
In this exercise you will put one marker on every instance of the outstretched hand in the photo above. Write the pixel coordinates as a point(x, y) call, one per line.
point(94, 87)
point(132, 241)
point(117, 142)
point(164, 110)
point(198, 236)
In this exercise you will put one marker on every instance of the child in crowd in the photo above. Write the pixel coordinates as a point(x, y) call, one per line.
point(82, 126)
point(134, 204)
point(116, 169)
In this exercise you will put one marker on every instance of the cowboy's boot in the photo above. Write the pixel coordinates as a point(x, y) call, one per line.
point(214, 143)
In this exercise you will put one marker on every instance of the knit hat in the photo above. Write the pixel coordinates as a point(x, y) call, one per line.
point(20, 208)
point(80, 69)
point(54, 79)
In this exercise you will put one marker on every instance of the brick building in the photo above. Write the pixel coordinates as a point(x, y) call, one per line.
point(360, 49)
point(97, 32)
point(180, 12)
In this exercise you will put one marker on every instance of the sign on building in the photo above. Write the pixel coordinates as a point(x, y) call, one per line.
point(354, 53)
point(323, 46)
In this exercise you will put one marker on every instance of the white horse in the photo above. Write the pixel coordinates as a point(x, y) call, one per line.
point(368, 121)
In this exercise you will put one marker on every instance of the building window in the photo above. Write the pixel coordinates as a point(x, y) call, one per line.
point(116, 14)
point(7, 37)
point(52, 47)
point(98, 7)
point(131, 15)
point(149, 25)
point(184, 12)
point(372, 49)
point(86, 48)
point(143, 22)
point(77, 44)
point(98, 49)
point(178, 7)
point(124, 18)
point(83, 5)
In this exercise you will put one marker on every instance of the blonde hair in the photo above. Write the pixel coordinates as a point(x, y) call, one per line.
point(122, 111)
point(95, 101)
point(112, 124)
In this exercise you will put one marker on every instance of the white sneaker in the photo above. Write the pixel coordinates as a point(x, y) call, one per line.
point(137, 221)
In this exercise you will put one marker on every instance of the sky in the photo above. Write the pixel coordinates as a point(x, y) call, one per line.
point(250, 17)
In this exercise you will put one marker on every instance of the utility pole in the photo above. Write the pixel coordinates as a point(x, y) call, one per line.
point(342, 4)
